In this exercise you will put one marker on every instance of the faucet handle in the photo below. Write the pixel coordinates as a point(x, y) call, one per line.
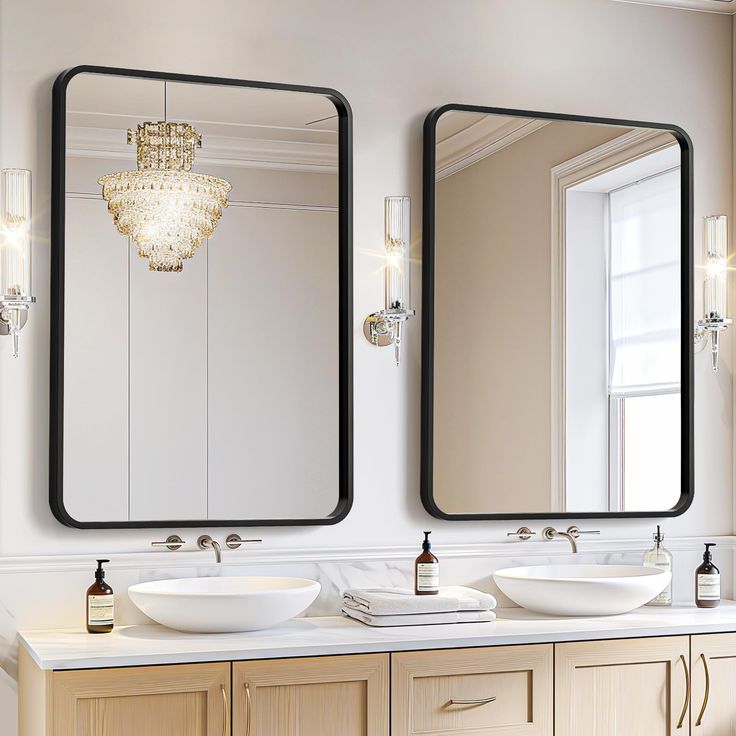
point(523, 532)
point(575, 531)
point(234, 541)
point(173, 542)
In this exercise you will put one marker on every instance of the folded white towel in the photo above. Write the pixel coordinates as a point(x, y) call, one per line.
point(421, 619)
point(399, 601)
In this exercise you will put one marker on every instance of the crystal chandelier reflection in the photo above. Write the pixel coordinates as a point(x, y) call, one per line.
point(163, 206)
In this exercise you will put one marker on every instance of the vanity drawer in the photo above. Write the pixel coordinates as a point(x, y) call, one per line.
point(427, 689)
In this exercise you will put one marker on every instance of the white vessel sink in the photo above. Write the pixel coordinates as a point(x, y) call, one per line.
point(582, 590)
point(216, 605)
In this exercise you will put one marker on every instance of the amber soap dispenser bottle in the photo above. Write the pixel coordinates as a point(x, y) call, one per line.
point(426, 570)
point(100, 603)
point(707, 581)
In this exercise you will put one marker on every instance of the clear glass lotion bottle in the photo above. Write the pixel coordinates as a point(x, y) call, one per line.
point(658, 556)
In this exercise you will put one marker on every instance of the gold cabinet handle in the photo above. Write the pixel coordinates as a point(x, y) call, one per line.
point(687, 692)
point(225, 711)
point(248, 709)
point(707, 690)
point(478, 701)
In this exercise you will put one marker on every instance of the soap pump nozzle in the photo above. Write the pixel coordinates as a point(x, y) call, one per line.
point(99, 572)
point(426, 544)
point(708, 555)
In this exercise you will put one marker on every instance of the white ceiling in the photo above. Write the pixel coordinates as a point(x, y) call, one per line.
point(106, 101)
point(240, 126)
point(711, 6)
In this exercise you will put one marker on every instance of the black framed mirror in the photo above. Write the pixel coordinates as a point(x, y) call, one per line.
point(201, 288)
point(557, 313)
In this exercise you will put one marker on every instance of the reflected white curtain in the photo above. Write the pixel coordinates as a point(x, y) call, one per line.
point(645, 286)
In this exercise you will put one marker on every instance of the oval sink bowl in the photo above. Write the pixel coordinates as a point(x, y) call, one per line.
point(582, 590)
point(217, 605)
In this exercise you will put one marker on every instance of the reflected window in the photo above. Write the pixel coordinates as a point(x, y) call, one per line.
point(644, 343)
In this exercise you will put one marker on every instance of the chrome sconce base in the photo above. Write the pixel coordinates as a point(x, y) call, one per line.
point(383, 328)
point(13, 317)
point(711, 326)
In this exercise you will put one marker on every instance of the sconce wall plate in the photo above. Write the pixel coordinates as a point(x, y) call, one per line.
point(384, 327)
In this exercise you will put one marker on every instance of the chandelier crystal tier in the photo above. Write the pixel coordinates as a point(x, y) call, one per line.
point(163, 206)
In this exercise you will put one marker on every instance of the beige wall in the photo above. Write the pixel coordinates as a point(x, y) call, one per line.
point(492, 324)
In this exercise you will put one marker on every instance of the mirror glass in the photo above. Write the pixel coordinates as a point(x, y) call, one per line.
point(558, 250)
point(215, 391)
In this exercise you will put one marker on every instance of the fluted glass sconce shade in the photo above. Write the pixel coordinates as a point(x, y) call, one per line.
point(398, 264)
point(716, 281)
point(715, 286)
point(15, 251)
point(384, 328)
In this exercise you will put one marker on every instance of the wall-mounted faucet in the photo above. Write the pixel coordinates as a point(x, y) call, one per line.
point(206, 542)
point(572, 534)
point(174, 542)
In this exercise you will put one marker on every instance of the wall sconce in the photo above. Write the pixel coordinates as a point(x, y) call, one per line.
point(384, 328)
point(715, 288)
point(15, 252)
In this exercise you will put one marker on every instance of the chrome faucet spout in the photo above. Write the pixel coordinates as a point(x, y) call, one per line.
point(206, 542)
point(552, 533)
point(218, 551)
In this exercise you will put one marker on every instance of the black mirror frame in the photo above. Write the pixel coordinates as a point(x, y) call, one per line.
point(686, 310)
point(345, 301)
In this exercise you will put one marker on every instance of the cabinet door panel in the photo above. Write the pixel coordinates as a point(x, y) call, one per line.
point(510, 689)
point(714, 662)
point(175, 700)
point(627, 687)
point(321, 696)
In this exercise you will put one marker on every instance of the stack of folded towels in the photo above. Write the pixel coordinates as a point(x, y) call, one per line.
point(399, 607)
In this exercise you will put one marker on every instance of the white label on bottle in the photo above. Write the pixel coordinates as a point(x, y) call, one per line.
point(100, 610)
point(428, 577)
point(709, 587)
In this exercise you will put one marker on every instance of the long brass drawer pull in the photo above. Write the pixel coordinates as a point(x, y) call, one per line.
point(225, 711)
point(248, 709)
point(687, 692)
point(707, 690)
point(478, 701)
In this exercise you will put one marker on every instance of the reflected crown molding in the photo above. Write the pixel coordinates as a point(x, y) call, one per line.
point(726, 7)
point(252, 153)
point(284, 556)
point(478, 141)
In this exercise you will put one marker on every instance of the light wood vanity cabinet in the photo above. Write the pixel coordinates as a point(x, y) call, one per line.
point(659, 686)
point(713, 707)
point(623, 687)
point(322, 696)
point(502, 691)
point(170, 700)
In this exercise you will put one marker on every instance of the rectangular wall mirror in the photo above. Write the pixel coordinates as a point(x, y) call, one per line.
point(201, 353)
point(557, 308)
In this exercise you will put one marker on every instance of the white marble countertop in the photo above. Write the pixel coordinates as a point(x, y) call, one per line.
point(307, 637)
